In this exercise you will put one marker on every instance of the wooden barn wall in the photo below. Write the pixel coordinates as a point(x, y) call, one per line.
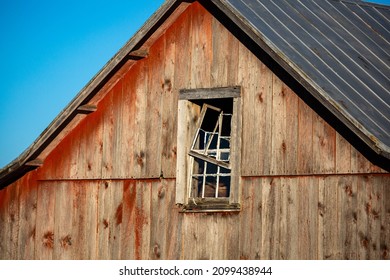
point(107, 191)
point(308, 217)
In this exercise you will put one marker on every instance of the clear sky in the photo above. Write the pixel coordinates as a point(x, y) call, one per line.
point(49, 50)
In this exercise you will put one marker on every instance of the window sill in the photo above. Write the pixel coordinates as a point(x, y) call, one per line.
point(207, 205)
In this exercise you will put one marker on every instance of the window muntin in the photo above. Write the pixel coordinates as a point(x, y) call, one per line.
point(210, 154)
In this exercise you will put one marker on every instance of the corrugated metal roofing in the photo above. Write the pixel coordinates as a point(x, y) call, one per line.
point(340, 48)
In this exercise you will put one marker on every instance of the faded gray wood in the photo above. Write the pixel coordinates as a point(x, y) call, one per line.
point(210, 93)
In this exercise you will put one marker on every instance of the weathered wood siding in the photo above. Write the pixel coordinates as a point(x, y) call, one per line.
point(107, 191)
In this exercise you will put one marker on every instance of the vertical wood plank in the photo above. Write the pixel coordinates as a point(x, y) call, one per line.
point(305, 138)
point(3, 242)
point(173, 223)
point(324, 137)
point(116, 218)
point(28, 212)
point(321, 210)
point(247, 222)
point(153, 121)
point(129, 123)
point(5, 194)
point(385, 217)
point(343, 155)
point(64, 241)
point(79, 239)
point(256, 80)
point(201, 40)
point(91, 220)
point(304, 243)
point(225, 56)
point(183, 51)
point(362, 218)
point(330, 219)
point(107, 118)
point(104, 210)
point(143, 220)
point(293, 218)
point(140, 144)
point(128, 241)
point(231, 246)
point(347, 194)
point(270, 218)
point(307, 217)
point(278, 147)
point(189, 237)
point(14, 218)
point(169, 106)
point(248, 135)
point(45, 227)
point(290, 145)
point(220, 54)
point(374, 211)
point(117, 133)
point(158, 225)
point(284, 222)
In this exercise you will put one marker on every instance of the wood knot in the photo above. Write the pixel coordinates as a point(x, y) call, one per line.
point(140, 159)
point(48, 239)
point(167, 85)
point(348, 190)
point(66, 241)
point(260, 97)
point(321, 209)
point(365, 242)
point(284, 146)
point(157, 251)
point(105, 223)
point(161, 193)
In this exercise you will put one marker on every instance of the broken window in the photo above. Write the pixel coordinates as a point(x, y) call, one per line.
point(208, 149)
point(210, 154)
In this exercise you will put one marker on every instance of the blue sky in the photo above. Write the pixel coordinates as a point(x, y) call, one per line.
point(49, 50)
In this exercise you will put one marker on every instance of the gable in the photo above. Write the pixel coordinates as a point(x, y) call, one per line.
point(183, 46)
point(133, 132)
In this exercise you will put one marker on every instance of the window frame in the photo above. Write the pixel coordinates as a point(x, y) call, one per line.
point(188, 121)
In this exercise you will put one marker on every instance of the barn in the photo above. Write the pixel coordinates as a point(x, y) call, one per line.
point(223, 129)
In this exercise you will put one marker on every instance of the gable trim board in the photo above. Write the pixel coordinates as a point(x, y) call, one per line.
point(350, 87)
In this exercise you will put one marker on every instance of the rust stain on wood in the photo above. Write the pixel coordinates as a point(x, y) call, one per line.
point(140, 221)
point(119, 214)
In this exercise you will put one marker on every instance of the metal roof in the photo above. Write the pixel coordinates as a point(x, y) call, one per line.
point(340, 49)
